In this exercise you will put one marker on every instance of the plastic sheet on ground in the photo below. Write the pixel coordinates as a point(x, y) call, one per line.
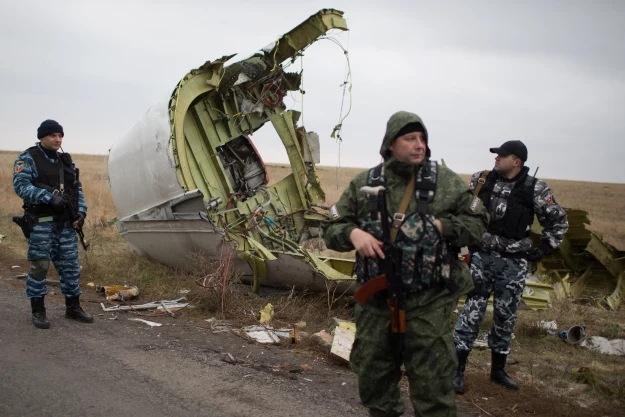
point(605, 346)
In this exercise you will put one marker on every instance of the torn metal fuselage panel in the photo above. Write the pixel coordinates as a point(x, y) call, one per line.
point(221, 198)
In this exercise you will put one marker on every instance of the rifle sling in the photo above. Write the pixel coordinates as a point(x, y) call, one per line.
point(398, 217)
point(480, 182)
point(476, 201)
point(61, 175)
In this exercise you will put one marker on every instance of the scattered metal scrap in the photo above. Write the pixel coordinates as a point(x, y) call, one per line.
point(584, 266)
point(163, 304)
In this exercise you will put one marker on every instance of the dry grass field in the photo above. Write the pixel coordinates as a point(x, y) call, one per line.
point(558, 379)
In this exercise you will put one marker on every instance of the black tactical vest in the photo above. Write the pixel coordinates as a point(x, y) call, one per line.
point(519, 210)
point(49, 174)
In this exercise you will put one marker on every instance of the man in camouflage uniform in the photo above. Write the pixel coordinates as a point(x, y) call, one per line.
point(427, 348)
point(499, 263)
point(48, 182)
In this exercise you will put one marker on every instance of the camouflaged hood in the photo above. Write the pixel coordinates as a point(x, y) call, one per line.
point(394, 125)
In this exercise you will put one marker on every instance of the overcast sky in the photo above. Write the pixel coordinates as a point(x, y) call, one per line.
point(550, 73)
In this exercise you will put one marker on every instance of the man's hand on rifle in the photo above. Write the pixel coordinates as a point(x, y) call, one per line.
point(80, 221)
point(366, 245)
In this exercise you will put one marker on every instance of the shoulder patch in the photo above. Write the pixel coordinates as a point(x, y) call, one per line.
point(334, 213)
point(475, 204)
point(19, 166)
point(547, 196)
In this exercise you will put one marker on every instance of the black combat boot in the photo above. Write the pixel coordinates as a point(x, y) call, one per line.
point(458, 381)
point(75, 312)
point(39, 313)
point(498, 375)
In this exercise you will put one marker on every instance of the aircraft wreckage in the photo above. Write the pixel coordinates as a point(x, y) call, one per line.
point(187, 177)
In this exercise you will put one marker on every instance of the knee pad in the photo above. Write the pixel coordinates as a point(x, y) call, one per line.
point(39, 269)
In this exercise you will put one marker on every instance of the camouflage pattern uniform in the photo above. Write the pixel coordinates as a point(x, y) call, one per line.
point(428, 354)
point(48, 240)
point(499, 265)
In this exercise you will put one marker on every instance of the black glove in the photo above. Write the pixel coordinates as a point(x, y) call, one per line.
point(57, 202)
point(536, 254)
point(80, 219)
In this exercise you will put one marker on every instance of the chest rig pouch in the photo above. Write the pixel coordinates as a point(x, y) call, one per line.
point(425, 261)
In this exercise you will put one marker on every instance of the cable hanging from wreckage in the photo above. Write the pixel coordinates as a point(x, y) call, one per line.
point(272, 95)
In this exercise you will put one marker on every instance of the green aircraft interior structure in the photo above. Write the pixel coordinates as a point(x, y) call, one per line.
point(210, 115)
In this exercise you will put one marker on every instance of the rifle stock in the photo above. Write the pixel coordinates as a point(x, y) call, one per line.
point(369, 288)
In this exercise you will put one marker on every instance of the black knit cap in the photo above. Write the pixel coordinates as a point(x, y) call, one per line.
point(409, 128)
point(49, 127)
point(415, 127)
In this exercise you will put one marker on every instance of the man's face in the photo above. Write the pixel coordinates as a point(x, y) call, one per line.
point(52, 142)
point(506, 164)
point(410, 147)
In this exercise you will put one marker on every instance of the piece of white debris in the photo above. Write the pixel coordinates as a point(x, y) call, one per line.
point(149, 323)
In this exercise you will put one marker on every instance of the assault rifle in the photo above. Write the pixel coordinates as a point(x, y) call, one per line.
point(73, 213)
point(391, 280)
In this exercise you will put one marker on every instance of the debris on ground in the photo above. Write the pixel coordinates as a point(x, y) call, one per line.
point(323, 338)
point(344, 335)
point(267, 334)
point(149, 323)
point(170, 304)
point(118, 292)
point(219, 326)
point(266, 313)
point(550, 326)
point(574, 335)
point(584, 267)
point(605, 346)
point(297, 331)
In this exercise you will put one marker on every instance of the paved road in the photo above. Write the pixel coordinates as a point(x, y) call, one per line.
point(125, 368)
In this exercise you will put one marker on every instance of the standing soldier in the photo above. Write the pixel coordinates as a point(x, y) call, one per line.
point(499, 263)
point(426, 210)
point(48, 183)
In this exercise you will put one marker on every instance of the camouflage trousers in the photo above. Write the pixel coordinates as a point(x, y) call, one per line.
point(505, 277)
point(429, 359)
point(47, 243)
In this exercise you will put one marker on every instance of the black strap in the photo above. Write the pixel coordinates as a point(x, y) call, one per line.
point(374, 179)
point(61, 175)
point(425, 184)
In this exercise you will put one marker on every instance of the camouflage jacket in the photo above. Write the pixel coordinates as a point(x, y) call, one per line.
point(451, 205)
point(550, 215)
point(25, 175)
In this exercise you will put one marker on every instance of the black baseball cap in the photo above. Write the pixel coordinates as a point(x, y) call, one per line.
point(512, 147)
